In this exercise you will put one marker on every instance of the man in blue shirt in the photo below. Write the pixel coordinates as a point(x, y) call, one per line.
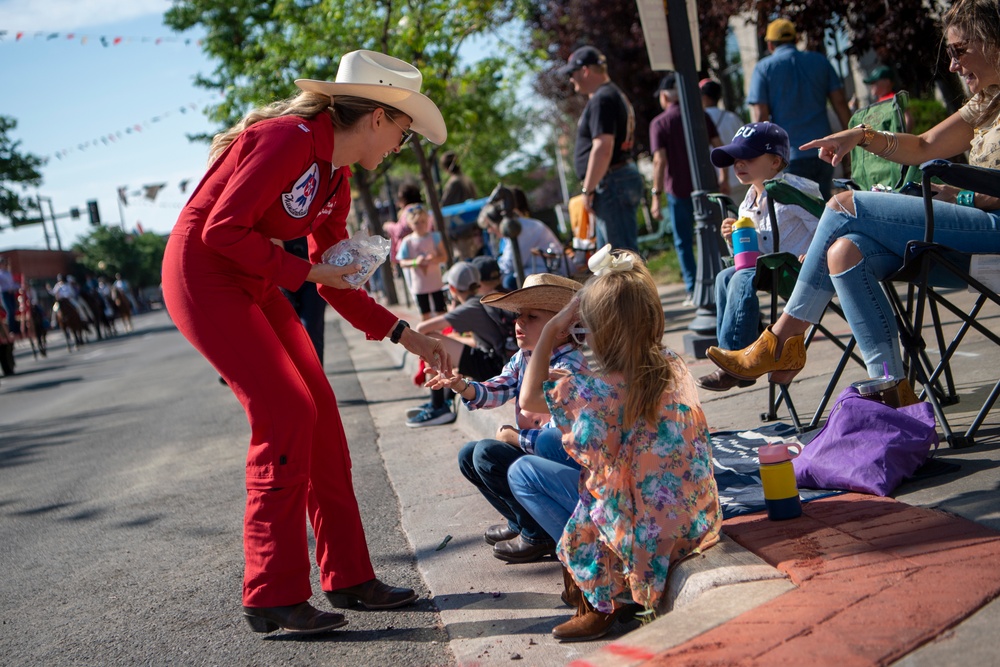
point(790, 88)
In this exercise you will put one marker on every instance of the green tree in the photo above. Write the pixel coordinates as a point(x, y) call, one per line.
point(109, 250)
point(16, 169)
point(261, 46)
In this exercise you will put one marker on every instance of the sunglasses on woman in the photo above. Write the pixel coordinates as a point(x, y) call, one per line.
point(956, 51)
point(406, 134)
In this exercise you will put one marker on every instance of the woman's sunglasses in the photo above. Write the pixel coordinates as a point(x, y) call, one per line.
point(579, 334)
point(956, 51)
point(403, 138)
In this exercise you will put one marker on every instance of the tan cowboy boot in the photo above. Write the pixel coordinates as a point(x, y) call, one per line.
point(906, 394)
point(760, 357)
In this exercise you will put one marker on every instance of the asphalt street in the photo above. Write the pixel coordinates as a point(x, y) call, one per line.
point(121, 502)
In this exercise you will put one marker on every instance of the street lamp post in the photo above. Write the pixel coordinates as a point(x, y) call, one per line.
point(708, 218)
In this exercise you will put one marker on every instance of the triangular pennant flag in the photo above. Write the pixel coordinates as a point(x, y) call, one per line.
point(150, 191)
point(183, 185)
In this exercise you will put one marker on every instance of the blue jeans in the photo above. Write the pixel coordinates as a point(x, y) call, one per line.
point(616, 204)
point(485, 463)
point(883, 224)
point(548, 445)
point(547, 489)
point(737, 307)
point(682, 219)
point(816, 170)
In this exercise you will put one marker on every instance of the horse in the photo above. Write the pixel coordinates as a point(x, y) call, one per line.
point(69, 320)
point(101, 315)
point(32, 321)
point(123, 307)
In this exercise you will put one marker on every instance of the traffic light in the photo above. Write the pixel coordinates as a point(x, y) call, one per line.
point(95, 214)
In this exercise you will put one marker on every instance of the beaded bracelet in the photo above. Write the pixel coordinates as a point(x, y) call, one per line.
point(966, 198)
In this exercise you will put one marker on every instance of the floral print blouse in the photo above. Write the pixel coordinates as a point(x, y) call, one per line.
point(647, 496)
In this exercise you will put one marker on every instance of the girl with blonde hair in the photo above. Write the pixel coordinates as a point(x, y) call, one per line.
point(647, 495)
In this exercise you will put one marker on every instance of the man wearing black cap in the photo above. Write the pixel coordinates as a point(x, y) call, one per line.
point(672, 175)
point(605, 134)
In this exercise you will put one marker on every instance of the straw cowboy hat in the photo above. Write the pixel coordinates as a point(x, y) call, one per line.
point(541, 291)
point(391, 81)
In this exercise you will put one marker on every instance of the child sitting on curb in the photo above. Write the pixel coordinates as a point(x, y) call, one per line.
point(759, 152)
point(647, 497)
point(485, 462)
point(467, 285)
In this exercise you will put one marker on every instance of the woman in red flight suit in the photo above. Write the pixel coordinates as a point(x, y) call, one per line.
point(282, 173)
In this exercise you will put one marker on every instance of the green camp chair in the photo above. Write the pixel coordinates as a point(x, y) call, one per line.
point(869, 171)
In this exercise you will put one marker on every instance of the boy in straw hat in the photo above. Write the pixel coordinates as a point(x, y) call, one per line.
point(283, 172)
point(485, 462)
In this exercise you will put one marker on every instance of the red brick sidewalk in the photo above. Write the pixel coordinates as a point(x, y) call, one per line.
point(875, 579)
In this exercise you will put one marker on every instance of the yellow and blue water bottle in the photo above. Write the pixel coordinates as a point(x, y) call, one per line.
point(781, 493)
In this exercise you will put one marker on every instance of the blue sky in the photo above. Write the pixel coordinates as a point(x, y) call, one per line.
point(63, 93)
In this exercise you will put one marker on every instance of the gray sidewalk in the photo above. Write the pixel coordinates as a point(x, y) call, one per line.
point(496, 613)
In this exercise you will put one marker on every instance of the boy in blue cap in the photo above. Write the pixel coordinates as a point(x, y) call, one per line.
point(759, 152)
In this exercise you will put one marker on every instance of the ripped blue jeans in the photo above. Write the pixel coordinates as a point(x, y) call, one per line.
point(881, 228)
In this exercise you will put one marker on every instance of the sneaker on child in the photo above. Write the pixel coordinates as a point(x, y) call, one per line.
point(429, 405)
point(432, 417)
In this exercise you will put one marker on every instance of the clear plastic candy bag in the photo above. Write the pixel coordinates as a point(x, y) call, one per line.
point(366, 251)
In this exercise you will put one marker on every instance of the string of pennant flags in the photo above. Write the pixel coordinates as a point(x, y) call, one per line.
point(103, 40)
point(149, 192)
point(135, 128)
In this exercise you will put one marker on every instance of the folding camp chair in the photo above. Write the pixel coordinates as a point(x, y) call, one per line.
point(927, 268)
point(869, 171)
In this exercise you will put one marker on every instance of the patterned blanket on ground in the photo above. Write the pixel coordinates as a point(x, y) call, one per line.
point(737, 471)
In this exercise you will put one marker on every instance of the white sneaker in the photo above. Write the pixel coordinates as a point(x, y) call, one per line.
point(688, 301)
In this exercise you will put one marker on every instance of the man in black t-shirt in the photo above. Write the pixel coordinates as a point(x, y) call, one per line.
point(605, 134)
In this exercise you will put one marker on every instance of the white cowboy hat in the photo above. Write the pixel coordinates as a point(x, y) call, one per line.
point(381, 78)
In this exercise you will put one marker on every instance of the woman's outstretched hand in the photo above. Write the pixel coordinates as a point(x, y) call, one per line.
point(429, 349)
point(833, 148)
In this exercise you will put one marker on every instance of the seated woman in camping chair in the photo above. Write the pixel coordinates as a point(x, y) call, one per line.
point(862, 236)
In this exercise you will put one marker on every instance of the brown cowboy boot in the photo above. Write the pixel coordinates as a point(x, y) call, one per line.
point(571, 592)
point(587, 625)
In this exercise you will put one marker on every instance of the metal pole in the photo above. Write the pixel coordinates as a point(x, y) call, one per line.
point(41, 214)
point(707, 218)
point(55, 228)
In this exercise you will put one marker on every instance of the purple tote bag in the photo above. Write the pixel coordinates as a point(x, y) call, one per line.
point(867, 446)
